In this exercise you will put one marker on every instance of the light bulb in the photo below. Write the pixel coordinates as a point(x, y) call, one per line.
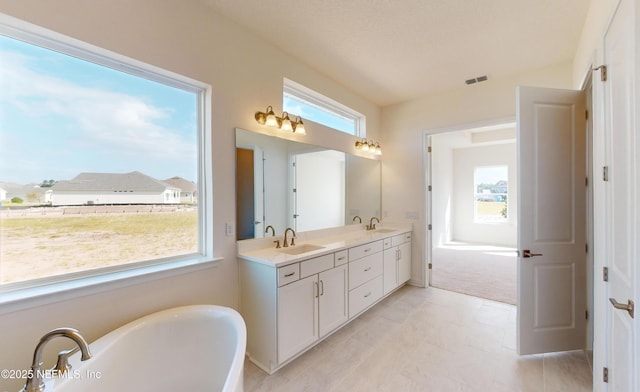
point(286, 123)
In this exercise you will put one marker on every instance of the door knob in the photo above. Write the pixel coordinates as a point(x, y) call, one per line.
point(628, 306)
point(527, 253)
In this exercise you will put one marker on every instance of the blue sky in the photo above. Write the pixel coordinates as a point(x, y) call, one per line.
point(60, 116)
point(491, 174)
point(297, 108)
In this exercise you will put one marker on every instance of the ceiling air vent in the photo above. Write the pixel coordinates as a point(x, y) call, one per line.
point(476, 80)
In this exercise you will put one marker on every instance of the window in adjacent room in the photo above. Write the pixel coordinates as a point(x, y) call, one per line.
point(491, 191)
point(101, 162)
point(299, 100)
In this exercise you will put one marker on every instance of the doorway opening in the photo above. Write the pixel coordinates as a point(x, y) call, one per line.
point(473, 177)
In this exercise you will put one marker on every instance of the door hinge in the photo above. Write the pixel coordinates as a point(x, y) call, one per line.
point(605, 374)
point(295, 190)
point(586, 114)
point(429, 227)
point(430, 188)
point(586, 248)
point(430, 266)
point(605, 173)
point(605, 274)
point(586, 181)
point(603, 72)
point(429, 149)
point(586, 315)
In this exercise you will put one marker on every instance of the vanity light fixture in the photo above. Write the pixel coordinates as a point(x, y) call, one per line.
point(298, 126)
point(269, 118)
point(369, 146)
point(285, 123)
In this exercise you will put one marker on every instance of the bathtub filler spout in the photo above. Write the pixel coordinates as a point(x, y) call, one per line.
point(293, 234)
point(372, 226)
point(35, 382)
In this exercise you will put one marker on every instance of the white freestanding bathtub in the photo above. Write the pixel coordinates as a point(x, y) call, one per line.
point(190, 348)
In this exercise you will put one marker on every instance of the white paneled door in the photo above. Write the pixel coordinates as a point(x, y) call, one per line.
point(551, 220)
point(617, 197)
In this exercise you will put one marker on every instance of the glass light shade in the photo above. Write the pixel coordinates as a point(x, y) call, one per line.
point(286, 123)
point(299, 128)
point(271, 120)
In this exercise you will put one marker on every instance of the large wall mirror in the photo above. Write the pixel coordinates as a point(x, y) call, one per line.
point(284, 183)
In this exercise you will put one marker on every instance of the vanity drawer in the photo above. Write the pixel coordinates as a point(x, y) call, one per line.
point(288, 274)
point(365, 269)
point(342, 257)
point(400, 239)
point(387, 243)
point(316, 265)
point(358, 252)
point(364, 296)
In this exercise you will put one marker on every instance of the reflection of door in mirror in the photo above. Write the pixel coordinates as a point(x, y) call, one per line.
point(319, 190)
point(249, 192)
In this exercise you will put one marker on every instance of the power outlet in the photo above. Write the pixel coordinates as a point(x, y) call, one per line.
point(228, 229)
point(411, 215)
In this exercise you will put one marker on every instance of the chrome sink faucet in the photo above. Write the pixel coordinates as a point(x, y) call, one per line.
point(293, 233)
point(372, 226)
point(35, 383)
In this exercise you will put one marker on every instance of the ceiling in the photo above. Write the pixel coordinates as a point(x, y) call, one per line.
point(391, 51)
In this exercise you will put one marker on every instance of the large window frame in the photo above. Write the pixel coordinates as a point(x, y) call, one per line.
point(326, 108)
point(40, 290)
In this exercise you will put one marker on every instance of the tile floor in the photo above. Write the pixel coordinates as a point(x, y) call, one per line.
point(427, 340)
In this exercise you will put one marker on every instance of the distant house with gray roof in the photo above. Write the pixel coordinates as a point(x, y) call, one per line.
point(188, 189)
point(113, 188)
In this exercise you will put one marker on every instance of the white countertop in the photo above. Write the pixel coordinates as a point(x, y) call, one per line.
point(330, 243)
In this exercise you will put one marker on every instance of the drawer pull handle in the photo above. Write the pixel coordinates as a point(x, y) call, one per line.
point(367, 269)
point(367, 250)
point(341, 258)
point(367, 294)
point(289, 274)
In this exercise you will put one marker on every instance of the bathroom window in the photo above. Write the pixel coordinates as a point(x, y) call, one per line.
point(95, 150)
point(298, 100)
point(491, 191)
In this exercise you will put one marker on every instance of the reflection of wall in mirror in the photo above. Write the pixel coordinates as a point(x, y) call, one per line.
point(361, 196)
point(320, 190)
point(363, 188)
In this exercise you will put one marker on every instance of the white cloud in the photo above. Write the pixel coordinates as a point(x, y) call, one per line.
point(113, 121)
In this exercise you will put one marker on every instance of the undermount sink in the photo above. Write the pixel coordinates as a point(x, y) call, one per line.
point(299, 249)
point(383, 231)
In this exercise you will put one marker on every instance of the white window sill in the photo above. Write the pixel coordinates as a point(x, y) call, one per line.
point(28, 297)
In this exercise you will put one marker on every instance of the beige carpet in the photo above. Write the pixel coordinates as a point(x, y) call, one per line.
point(480, 270)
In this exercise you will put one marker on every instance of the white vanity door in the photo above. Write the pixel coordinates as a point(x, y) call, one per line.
point(333, 299)
point(297, 317)
point(404, 262)
point(390, 270)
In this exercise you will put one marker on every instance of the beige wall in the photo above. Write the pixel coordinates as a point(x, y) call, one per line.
point(600, 12)
point(405, 124)
point(246, 75)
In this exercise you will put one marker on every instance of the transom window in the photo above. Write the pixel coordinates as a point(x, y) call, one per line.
point(310, 105)
point(101, 161)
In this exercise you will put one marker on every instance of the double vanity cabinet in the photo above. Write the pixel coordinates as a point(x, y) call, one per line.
point(291, 298)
